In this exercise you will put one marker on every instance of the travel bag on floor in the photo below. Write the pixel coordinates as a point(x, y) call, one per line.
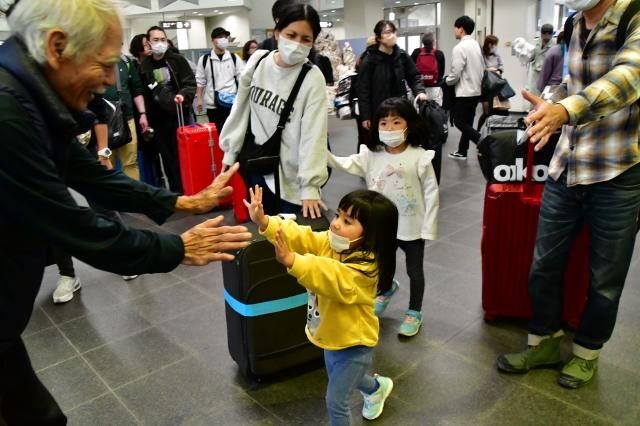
point(510, 221)
point(266, 310)
point(201, 162)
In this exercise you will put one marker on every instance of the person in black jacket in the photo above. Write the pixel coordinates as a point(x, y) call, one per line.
point(386, 72)
point(47, 78)
point(271, 43)
point(433, 91)
point(165, 69)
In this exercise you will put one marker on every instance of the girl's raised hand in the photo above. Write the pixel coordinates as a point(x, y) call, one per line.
point(256, 210)
point(283, 254)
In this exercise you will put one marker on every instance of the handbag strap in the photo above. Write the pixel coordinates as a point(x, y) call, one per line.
point(286, 111)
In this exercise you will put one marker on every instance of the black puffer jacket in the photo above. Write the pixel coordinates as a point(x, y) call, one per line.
point(39, 160)
point(382, 76)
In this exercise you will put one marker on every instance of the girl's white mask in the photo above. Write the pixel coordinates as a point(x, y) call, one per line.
point(291, 52)
point(339, 243)
point(393, 138)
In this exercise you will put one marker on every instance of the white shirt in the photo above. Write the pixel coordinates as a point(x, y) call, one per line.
point(225, 73)
point(262, 94)
point(407, 179)
point(467, 68)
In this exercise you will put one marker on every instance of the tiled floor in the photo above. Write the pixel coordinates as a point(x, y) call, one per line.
point(154, 350)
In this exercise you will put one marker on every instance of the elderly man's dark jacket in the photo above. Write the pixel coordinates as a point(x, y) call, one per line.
point(40, 159)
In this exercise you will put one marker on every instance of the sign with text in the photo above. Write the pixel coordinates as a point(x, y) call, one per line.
point(175, 25)
point(326, 24)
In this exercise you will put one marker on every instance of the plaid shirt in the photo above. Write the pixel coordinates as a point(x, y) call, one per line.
point(600, 141)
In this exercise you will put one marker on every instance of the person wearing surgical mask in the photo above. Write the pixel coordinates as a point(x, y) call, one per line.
point(169, 71)
point(217, 72)
point(263, 90)
point(492, 62)
point(386, 72)
point(395, 164)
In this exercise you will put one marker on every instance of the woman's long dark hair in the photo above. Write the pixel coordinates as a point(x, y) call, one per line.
point(400, 107)
point(300, 12)
point(136, 47)
point(379, 219)
point(488, 41)
point(245, 49)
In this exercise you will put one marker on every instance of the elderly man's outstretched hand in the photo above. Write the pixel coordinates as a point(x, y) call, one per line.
point(209, 241)
point(209, 197)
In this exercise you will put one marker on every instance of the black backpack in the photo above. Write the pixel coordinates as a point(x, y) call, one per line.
point(436, 120)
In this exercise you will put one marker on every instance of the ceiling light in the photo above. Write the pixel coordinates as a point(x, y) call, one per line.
point(398, 2)
point(333, 11)
point(415, 4)
point(324, 16)
point(215, 11)
point(392, 16)
point(338, 19)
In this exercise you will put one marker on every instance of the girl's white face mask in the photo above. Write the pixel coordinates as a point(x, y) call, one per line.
point(291, 52)
point(339, 243)
point(392, 138)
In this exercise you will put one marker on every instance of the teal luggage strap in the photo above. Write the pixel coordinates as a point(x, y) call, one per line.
point(264, 308)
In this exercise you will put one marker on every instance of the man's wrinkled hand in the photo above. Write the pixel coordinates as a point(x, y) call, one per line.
point(210, 197)
point(210, 242)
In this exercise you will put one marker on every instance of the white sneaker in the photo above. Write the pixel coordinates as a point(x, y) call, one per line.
point(129, 277)
point(65, 288)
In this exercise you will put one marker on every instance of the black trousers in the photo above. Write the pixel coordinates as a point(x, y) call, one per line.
point(166, 142)
point(465, 112)
point(23, 398)
point(218, 116)
point(414, 255)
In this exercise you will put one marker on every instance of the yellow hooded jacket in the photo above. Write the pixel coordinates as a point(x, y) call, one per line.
point(346, 291)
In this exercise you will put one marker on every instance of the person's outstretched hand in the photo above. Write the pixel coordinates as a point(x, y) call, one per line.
point(209, 197)
point(547, 118)
point(283, 254)
point(312, 208)
point(208, 242)
point(256, 209)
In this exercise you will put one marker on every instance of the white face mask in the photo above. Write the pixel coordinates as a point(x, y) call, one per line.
point(291, 52)
point(581, 4)
point(159, 48)
point(392, 138)
point(339, 243)
point(222, 43)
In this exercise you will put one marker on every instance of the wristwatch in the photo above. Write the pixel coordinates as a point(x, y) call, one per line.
point(105, 153)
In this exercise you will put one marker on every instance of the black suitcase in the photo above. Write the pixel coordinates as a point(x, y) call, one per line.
point(266, 310)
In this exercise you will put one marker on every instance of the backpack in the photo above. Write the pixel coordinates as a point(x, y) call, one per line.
point(436, 120)
point(427, 64)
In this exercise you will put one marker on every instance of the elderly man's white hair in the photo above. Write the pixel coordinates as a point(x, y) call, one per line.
point(84, 21)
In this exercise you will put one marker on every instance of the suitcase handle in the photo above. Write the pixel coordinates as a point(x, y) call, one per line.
point(180, 114)
point(529, 194)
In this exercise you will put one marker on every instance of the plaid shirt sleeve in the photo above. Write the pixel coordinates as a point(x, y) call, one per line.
point(600, 141)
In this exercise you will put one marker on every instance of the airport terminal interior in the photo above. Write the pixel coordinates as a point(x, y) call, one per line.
point(153, 350)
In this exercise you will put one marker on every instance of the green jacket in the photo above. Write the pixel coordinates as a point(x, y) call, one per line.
point(131, 86)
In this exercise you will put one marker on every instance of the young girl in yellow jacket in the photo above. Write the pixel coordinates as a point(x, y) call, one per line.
point(342, 268)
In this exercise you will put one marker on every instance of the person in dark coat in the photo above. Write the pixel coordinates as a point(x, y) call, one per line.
point(386, 72)
point(171, 70)
point(47, 77)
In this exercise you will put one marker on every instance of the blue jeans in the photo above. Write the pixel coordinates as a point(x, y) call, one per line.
point(346, 369)
point(610, 210)
point(273, 206)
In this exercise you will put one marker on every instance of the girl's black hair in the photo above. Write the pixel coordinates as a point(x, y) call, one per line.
point(379, 219)
point(400, 107)
point(136, 47)
point(300, 12)
point(380, 26)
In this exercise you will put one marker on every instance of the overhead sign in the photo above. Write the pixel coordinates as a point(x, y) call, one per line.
point(326, 24)
point(175, 25)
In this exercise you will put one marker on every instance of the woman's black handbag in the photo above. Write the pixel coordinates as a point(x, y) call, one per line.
point(118, 128)
point(506, 92)
point(492, 83)
point(164, 94)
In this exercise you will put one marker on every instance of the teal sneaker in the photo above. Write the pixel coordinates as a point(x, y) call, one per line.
point(383, 300)
point(577, 372)
point(545, 354)
point(374, 403)
point(411, 324)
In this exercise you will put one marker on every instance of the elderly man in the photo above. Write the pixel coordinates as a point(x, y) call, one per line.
point(57, 58)
point(594, 178)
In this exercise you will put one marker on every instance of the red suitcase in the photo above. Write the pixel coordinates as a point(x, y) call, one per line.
point(201, 161)
point(510, 220)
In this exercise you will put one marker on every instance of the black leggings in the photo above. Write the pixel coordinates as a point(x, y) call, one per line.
point(23, 398)
point(414, 254)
